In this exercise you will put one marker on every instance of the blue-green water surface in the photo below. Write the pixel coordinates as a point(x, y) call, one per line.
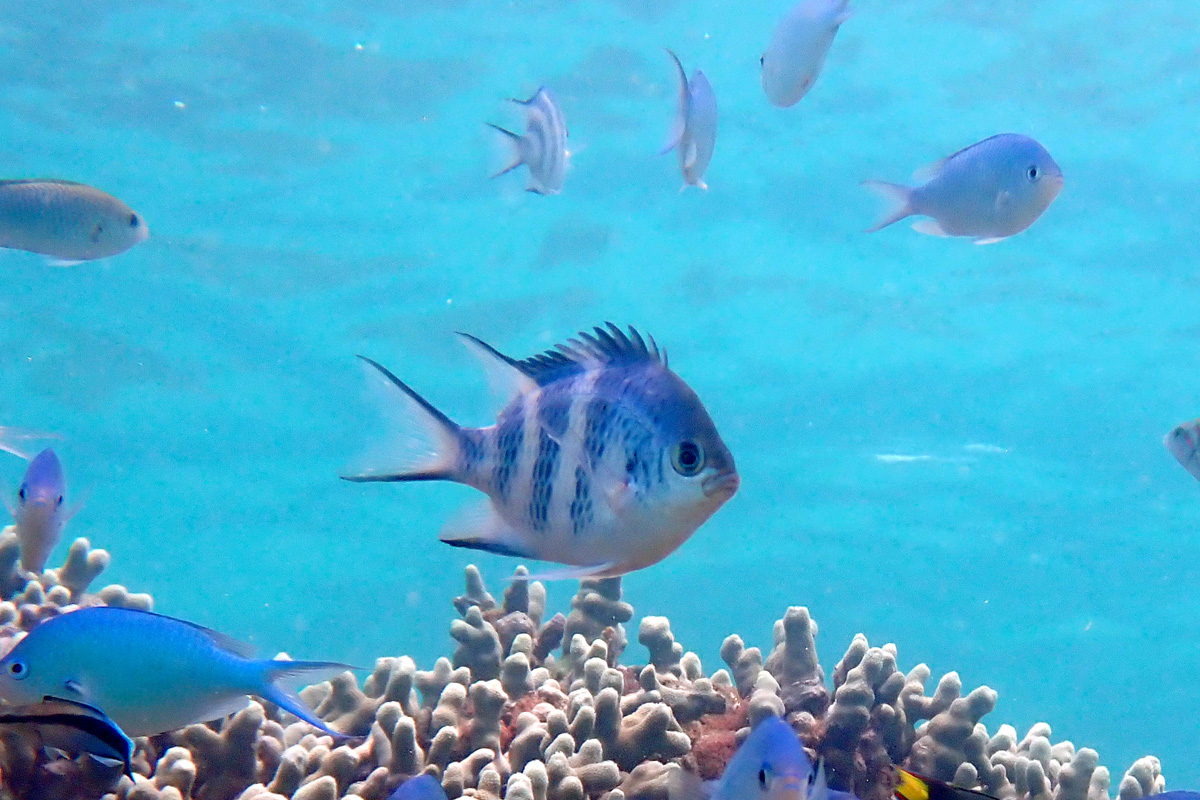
point(314, 178)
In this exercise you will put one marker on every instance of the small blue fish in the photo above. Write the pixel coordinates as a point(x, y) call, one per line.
point(66, 221)
point(543, 146)
point(988, 191)
point(798, 48)
point(770, 765)
point(422, 787)
point(40, 514)
point(149, 673)
point(73, 728)
point(604, 460)
point(694, 132)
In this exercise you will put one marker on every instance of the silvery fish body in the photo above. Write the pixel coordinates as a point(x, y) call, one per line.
point(150, 673)
point(69, 222)
point(770, 765)
point(543, 146)
point(988, 191)
point(1184, 443)
point(694, 133)
point(40, 514)
point(604, 460)
point(798, 48)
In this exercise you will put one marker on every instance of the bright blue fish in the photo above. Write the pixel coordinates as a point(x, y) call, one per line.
point(40, 514)
point(770, 765)
point(151, 673)
point(694, 133)
point(988, 191)
point(422, 787)
point(543, 146)
point(604, 460)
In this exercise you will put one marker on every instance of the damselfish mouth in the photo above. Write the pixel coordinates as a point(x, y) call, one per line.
point(724, 483)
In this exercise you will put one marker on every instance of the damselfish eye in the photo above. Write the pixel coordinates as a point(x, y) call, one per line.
point(1033, 172)
point(18, 670)
point(133, 220)
point(687, 458)
point(762, 778)
point(21, 494)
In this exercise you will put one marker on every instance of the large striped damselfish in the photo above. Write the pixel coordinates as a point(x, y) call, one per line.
point(604, 460)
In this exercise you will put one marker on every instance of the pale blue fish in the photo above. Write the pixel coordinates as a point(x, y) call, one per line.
point(798, 48)
point(543, 146)
point(421, 787)
point(65, 221)
point(988, 191)
point(604, 460)
point(40, 512)
point(694, 131)
point(18, 440)
point(770, 765)
point(151, 673)
point(1183, 442)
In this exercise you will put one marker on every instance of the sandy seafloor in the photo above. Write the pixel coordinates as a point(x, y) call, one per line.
point(314, 179)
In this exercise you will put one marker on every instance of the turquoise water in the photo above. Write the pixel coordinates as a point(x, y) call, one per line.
point(313, 175)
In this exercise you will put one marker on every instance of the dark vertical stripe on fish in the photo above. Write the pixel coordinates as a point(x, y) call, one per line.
point(596, 430)
point(542, 481)
point(581, 505)
point(554, 410)
point(472, 452)
point(508, 449)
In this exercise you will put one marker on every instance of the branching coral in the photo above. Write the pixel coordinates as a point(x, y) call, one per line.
point(528, 709)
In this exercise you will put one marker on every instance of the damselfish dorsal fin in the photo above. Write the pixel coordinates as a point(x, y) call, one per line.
point(607, 346)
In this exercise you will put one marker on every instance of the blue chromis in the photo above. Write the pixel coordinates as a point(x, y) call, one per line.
point(770, 765)
point(40, 514)
point(604, 460)
point(150, 673)
point(421, 787)
point(65, 221)
point(543, 146)
point(694, 132)
point(70, 727)
point(798, 48)
point(988, 191)
point(1183, 442)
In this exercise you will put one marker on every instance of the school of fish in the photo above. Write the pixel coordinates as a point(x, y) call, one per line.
point(603, 461)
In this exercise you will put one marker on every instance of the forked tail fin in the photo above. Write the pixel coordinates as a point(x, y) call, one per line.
point(898, 195)
point(281, 679)
point(423, 444)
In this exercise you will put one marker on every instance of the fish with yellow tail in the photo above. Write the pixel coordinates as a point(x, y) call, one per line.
point(604, 460)
point(912, 786)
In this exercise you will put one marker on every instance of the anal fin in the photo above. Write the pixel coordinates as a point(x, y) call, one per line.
point(482, 528)
point(930, 227)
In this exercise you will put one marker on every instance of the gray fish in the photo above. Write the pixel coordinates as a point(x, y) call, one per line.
point(1183, 442)
point(543, 146)
point(798, 48)
point(70, 727)
point(604, 460)
point(68, 222)
point(988, 191)
point(40, 515)
point(694, 132)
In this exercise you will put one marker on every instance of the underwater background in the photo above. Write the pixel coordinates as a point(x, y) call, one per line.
point(314, 176)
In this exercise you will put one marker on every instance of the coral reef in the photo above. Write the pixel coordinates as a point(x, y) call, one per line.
point(529, 708)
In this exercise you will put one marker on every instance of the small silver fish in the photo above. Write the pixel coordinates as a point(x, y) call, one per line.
point(543, 146)
point(988, 191)
point(604, 460)
point(1184, 443)
point(68, 222)
point(694, 132)
point(798, 49)
point(149, 673)
point(40, 514)
point(72, 728)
